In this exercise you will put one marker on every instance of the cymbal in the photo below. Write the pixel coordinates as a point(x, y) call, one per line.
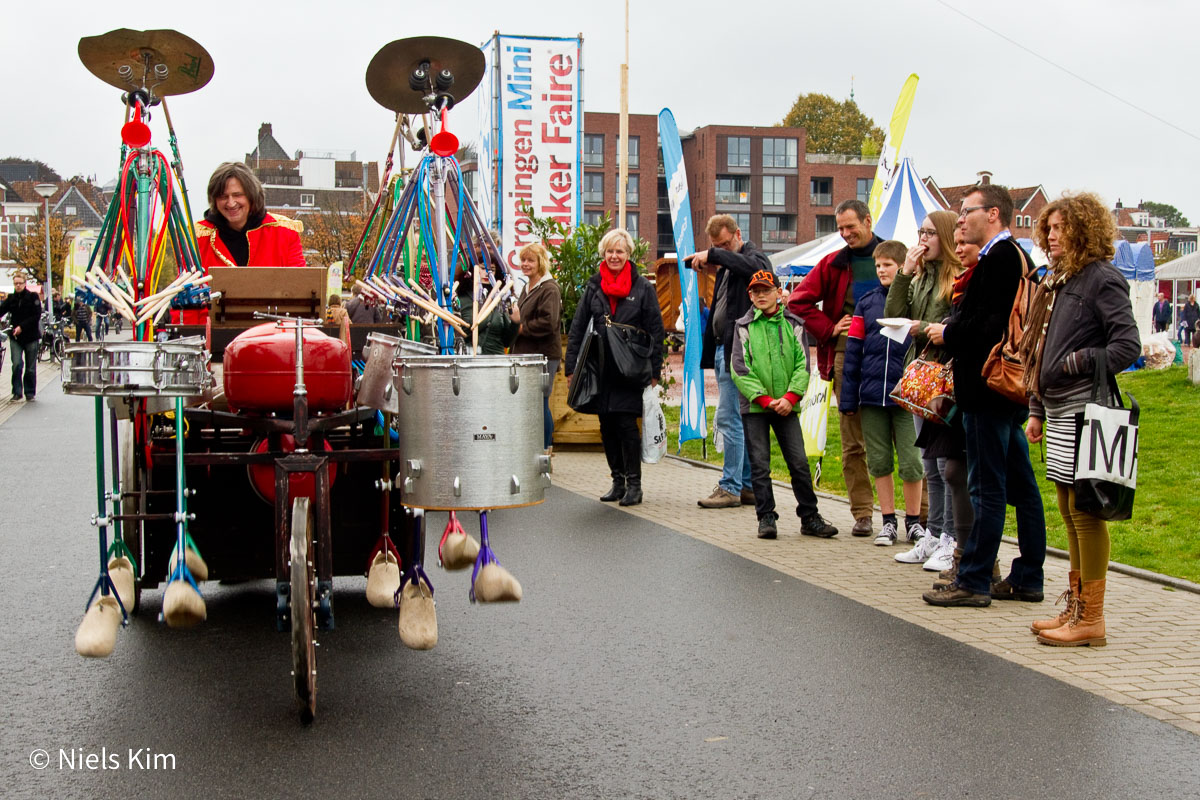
point(189, 66)
point(389, 70)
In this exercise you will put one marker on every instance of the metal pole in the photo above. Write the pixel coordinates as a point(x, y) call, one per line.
point(48, 287)
point(623, 134)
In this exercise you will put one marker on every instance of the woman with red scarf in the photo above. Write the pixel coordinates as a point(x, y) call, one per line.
point(618, 293)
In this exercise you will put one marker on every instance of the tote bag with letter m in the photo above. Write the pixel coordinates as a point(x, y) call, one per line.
point(1106, 453)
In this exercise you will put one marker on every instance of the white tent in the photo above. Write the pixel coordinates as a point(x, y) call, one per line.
point(902, 209)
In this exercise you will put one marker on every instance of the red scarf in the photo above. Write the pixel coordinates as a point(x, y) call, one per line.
point(960, 284)
point(616, 285)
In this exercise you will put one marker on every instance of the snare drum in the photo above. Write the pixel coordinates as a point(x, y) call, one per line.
point(175, 368)
point(471, 431)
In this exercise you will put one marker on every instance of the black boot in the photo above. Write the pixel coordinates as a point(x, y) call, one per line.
point(633, 491)
point(617, 491)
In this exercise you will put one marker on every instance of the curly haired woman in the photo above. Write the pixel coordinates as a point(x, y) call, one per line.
point(1081, 311)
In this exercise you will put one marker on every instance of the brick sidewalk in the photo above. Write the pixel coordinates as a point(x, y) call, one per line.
point(48, 376)
point(1151, 663)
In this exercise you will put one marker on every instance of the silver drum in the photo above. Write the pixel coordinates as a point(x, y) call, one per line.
point(175, 368)
point(375, 389)
point(471, 431)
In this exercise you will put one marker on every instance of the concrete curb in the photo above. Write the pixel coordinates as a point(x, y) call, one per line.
point(1114, 566)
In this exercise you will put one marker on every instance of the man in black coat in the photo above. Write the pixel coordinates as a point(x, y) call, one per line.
point(24, 310)
point(737, 261)
point(1162, 314)
point(998, 465)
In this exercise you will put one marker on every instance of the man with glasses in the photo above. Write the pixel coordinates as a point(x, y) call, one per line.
point(24, 310)
point(737, 261)
point(838, 282)
point(998, 465)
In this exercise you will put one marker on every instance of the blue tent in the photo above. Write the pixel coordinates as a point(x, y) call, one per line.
point(1136, 261)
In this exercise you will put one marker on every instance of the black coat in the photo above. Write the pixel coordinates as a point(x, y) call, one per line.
point(977, 323)
point(640, 309)
point(733, 277)
point(25, 311)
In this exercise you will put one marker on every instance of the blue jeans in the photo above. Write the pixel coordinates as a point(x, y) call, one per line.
point(24, 366)
point(999, 473)
point(735, 475)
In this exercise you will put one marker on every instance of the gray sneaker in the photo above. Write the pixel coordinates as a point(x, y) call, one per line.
point(887, 535)
point(721, 499)
point(767, 528)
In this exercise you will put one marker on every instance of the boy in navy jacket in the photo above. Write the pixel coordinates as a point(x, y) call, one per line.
point(874, 365)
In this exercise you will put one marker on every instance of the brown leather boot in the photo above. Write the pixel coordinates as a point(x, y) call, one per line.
point(947, 576)
point(996, 576)
point(1086, 627)
point(1071, 595)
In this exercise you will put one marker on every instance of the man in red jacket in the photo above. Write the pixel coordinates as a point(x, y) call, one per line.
point(237, 231)
point(838, 282)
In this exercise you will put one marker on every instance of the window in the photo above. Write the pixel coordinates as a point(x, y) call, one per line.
point(774, 190)
point(471, 184)
point(593, 217)
point(70, 212)
point(308, 200)
point(826, 224)
point(864, 189)
point(593, 187)
point(631, 224)
point(1187, 248)
point(779, 229)
point(634, 150)
point(779, 153)
point(822, 191)
point(631, 190)
point(593, 149)
point(739, 151)
point(743, 221)
point(732, 189)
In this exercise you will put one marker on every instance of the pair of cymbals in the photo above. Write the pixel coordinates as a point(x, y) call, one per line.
point(389, 71)
point(126, 58)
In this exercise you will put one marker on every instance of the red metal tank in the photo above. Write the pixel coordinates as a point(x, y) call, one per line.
point(260, 370)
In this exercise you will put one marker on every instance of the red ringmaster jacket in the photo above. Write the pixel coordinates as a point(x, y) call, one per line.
point(274, 243)
point(827, 283)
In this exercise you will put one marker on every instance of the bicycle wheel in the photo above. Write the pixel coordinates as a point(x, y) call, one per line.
point(60, 348)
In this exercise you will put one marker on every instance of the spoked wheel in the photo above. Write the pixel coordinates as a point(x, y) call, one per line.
point(303, 592)
point(60, 348)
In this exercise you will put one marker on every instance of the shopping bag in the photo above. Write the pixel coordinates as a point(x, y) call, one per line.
point(1106, 451)
point(927, 389)
point(654, 427)
point(814, 415)
point(584, 394)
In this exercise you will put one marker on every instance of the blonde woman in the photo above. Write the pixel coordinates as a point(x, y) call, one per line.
point(922, 292)
point(1081, 311)
point(538, 314)
point(619, 293)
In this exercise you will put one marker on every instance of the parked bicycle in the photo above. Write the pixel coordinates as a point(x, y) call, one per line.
point(54, 340)
point(4, 334)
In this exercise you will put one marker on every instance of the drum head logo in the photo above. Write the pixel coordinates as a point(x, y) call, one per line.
point(485, 437)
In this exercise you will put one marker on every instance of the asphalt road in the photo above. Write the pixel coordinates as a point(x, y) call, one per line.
point(641, 663)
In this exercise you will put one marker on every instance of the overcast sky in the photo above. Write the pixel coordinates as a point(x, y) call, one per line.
point(983, 102)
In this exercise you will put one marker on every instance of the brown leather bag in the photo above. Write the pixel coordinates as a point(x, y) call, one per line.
point(1003, 369)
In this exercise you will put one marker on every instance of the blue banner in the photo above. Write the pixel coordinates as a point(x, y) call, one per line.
point(693, 423)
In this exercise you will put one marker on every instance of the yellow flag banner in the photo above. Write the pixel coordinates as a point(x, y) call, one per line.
point(889, 155)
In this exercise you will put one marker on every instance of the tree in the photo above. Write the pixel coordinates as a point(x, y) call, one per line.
point(30, 251)
point(833, 127)
point(45, 173)
point(332, 235)
point(1171, 216)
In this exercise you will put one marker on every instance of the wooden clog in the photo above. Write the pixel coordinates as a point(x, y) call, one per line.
point(495, 584)
point(383, 580)
point(97, 634)
point(183, 606)
point(459, 551)
point(418, 617)
point(120, 569)
point(195, 565)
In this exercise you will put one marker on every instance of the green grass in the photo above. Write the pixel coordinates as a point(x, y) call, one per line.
point(1162, 536)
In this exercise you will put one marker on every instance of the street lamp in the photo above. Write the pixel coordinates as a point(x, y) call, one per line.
point(47, 190)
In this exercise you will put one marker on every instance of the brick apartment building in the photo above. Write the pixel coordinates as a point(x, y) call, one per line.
point(643, 193)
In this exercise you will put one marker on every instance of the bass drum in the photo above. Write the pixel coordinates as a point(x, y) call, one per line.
point(471, 431)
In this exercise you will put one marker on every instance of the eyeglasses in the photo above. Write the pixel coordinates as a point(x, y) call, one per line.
point(926, 233)
point(969, 209)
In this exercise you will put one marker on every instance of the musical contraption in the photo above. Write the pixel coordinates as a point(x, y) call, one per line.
point(236, 425)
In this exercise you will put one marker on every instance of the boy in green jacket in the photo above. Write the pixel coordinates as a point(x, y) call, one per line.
point(768, 367)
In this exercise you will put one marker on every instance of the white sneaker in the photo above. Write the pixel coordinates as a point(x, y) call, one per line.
point(943, 555)
point(921, 551)
point(886, 536)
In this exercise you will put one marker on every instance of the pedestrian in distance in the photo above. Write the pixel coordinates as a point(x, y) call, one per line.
point(1081, 311)
point(874, 363)
point(921, 292)
point(24, 311)
point(102, 310)
point(825, 301)
point(617, 294)
point(737, 261)
point(538, 316)
point(83, 318)
point(771, 374)
point(362, 308)
point(1162, 313)
point(1189, 325)
point(999, 471)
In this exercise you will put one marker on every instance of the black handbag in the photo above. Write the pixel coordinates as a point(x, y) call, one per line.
point(1106, 450)
point(630, 348)
point(584, 394)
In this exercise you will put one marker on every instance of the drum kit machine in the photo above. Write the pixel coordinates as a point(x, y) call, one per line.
point(285, 467)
